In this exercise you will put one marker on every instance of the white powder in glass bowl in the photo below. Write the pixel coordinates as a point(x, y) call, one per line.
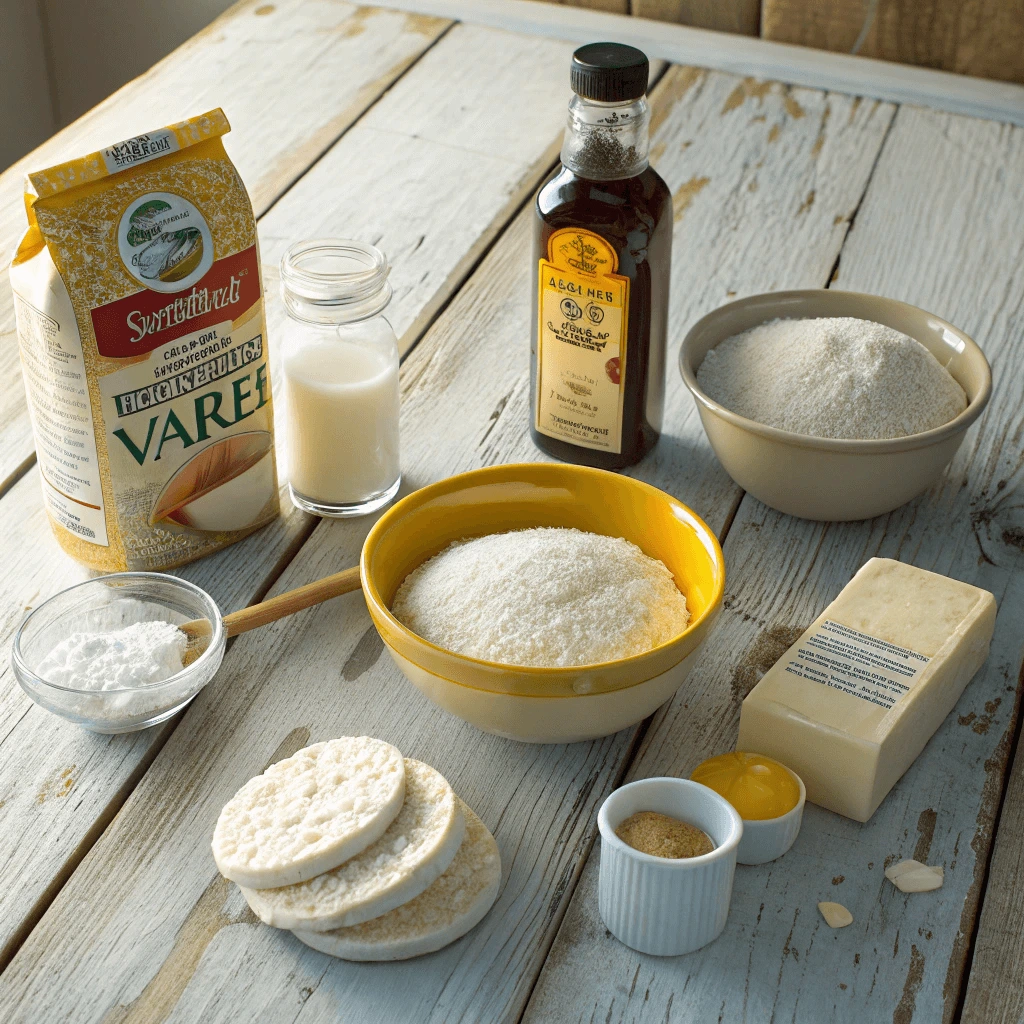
point(139, 654)
point(549, 596)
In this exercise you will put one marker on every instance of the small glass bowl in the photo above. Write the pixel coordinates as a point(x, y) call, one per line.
point(105, 604)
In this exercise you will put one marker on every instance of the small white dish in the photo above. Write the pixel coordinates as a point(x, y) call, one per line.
point(660, 905)
point(769, 838)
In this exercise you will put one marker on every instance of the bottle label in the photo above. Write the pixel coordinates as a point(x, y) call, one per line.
point(581, 343)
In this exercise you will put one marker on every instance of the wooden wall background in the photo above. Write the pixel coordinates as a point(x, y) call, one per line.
point(59, 58)
point(971, 37)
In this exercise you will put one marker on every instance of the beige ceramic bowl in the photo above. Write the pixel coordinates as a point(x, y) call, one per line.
point(821, 478)
point(544, 705)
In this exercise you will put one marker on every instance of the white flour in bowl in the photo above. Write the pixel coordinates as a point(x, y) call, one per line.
point(836, 377)
point(549, 596)
point(142, 653)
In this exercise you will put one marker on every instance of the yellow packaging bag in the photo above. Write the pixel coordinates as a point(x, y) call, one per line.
point(139, 304)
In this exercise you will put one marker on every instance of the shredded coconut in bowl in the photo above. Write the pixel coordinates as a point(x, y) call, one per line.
point(832, 377)
point(547, 597)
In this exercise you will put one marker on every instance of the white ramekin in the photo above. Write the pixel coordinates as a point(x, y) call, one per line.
point(659, 905)
point(771, 837)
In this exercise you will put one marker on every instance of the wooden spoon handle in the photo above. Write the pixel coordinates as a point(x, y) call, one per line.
point(293, 601)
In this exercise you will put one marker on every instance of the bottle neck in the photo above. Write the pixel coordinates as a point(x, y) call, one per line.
point(334, 281)
point(606, 141)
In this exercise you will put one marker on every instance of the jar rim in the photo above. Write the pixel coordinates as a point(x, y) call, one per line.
point(358, 289)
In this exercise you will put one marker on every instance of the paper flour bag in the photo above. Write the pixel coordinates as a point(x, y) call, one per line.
point(143, 342)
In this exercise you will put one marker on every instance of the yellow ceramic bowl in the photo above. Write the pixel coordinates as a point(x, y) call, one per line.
point(543, 705)
point(822, 478)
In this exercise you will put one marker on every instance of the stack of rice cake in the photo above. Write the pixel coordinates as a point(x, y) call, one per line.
point(361, 853)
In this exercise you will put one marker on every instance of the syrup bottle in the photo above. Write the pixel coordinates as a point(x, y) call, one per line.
point(602, 252)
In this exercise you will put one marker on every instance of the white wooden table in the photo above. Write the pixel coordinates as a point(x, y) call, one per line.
point(428, 138)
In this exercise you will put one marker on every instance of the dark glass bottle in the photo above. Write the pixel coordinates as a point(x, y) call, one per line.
point(603, 250)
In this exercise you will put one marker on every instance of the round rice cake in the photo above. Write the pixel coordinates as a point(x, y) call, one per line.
point(417, 848)
point(453, 905)
point(310, 812)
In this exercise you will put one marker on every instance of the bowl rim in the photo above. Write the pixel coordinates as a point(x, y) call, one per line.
point(217, 638)
point(847, 446)
point(378, 606)
point(673, 863)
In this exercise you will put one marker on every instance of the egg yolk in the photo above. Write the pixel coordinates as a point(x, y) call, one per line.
point(758, 787)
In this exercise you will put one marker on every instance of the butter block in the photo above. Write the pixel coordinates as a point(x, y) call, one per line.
point(854, 701)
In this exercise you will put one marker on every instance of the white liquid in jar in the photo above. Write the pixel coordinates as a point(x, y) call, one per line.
point(342, 401)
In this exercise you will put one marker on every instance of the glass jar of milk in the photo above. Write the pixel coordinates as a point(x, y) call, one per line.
point(340, 362)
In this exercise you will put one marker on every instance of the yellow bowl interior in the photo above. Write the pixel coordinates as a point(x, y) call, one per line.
point(515, 497)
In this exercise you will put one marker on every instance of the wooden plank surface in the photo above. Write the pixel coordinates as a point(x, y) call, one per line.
point(915, 239)
point(426, 129)
point(995, 993)
point(167, 939)
point(59, 784)
point(291, 77)
point(995, 988)
point(971, 37)
point(431, 173)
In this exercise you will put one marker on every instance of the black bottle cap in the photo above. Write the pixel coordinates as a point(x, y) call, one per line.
point(609, 72)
